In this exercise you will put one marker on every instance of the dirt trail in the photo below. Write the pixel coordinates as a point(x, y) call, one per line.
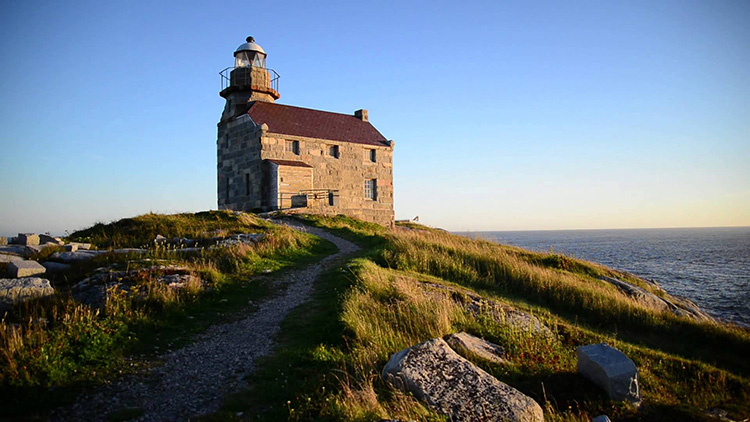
point(194, 380)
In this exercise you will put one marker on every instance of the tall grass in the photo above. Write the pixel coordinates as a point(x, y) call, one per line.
point(572, 292)
point(389, 310)
point(59, 342)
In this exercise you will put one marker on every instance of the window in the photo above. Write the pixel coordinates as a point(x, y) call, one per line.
point(333, 151)
point(226, 197)
point(370, 155)
point(371, 189)
point(293, 147)
point(247, 184)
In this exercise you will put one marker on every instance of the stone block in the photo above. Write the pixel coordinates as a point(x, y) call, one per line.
point(5, 258)
point(14, 290)
point(20, 269)
point(611, 370)
point(47, 239)
point(28, 239)
point(71, 248)
point(81, 246)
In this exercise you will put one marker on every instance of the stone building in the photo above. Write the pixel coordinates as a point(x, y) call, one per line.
point(277, 157)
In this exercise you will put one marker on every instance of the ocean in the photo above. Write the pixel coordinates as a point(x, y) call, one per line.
point(710, 266)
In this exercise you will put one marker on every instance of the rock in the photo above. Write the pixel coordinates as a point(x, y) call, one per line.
point(3, 241)
point(56, 267)
point(678, 306)
point(47, 239)
point(453, 386)
point(601, 418)
point(5, 258)
point(14, 290)
point(641, 296)
point(77, 256)
point(82, 246)
point(27, 239)
point(19, 269)
point(502, 313)
point(611, 370)
point(160, 240)
point(246, 238)
point(477, 346)
point(93, 290)
point(129, 250)
point(71, 248)
point(31, 250)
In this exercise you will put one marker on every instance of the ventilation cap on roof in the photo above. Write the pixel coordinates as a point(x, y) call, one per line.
point(250, 45)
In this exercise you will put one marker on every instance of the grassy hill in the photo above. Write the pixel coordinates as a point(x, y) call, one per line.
point(408, 285)
point(333, 350)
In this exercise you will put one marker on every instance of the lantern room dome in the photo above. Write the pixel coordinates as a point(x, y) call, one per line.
point(250, 45)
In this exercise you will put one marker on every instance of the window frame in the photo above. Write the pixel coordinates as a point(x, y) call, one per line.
point(292, 146)
point(371, 189)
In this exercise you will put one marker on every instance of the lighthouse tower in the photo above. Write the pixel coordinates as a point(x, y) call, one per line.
point(273, 156)
point(248, 80)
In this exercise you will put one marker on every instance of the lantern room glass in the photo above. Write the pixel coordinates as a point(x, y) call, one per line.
point(249, 58)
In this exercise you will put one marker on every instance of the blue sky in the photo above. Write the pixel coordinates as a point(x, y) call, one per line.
point(506, 115)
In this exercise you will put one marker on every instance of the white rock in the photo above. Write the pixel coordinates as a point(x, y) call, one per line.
point(14, 290)
point(611, 370)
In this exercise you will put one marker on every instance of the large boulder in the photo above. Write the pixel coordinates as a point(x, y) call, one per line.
point(25, 268)
point(678, 306)
point(611, 370)
point(14, 290)
point(453, 386)
point(476, 346)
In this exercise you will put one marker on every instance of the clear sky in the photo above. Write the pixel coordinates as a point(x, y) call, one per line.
point(506, 115)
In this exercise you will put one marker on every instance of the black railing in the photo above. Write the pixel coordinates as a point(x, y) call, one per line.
point(226, 78)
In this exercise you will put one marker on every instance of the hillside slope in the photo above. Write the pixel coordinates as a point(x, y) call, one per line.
point(413, 284)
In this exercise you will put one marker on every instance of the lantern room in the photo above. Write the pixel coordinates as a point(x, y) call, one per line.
point(249, 54)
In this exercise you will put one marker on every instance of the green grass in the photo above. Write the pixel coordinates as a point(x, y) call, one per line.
point(331, 350)
point(50, 348)
point(327, 365)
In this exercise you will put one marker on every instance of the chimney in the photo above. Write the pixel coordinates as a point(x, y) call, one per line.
point(361, 114)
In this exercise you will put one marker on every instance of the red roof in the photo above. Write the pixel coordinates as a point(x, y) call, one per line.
point(290, 120)
point(289, 163)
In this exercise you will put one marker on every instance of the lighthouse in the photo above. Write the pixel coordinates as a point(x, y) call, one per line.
point(273, 157)
point(248, 80)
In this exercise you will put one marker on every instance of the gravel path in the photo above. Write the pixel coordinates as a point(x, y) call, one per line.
point(193, 380)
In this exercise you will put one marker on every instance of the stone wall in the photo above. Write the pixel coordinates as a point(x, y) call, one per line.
point(242, 147)
point(239, 165)
point(347, 174)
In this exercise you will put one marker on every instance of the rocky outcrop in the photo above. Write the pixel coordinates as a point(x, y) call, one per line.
point(611, 370)
point(500, 312)
point(476, 346)
point(450, 384)
point(93, 290)
point(678, 306)
point(14, 290)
